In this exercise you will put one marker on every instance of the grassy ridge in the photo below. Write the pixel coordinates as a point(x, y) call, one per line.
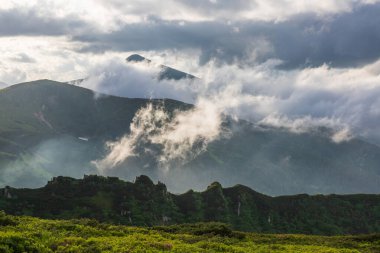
point(26, 234)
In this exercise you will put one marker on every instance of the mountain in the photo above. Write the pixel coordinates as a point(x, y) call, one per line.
point(144, 203)
point(166, 72)
point(47, 107)
point(49, 129)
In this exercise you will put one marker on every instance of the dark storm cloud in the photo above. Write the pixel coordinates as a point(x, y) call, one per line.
point(348, 39)
point(15, 22)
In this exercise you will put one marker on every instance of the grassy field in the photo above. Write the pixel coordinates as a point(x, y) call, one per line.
point(27, 234)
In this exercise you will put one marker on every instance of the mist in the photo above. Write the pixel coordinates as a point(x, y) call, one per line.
point(166, 139)
point(62, 156)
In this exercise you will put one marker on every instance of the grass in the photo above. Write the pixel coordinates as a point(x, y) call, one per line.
point(27, 234)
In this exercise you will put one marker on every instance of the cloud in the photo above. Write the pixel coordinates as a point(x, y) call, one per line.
point(23, 58)
point(334, 129)
point(264, 10)
point(19, 22)
point(46, 160)
point(340, 40)
point(166, 139)
point(66, 37)
point(11, 75)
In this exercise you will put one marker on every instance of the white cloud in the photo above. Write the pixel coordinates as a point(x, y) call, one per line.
point(265, 10)
point(109, 14)
point(174, 139)
point(54, 59)
point(57, 56)
point(337, 131)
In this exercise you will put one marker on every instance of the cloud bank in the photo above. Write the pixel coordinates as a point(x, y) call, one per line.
point(66, 36)
point(342, 40)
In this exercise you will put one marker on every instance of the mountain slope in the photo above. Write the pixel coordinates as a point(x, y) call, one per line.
point(46, 124)
point(144, 203)
point(49, 129)
point(46, 106)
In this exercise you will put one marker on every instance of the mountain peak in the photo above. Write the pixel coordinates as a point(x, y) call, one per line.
point(167, 73)
point(136, 58)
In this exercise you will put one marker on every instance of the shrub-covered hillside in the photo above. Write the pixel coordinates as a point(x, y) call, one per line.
point(144, 203)
point(26, 234)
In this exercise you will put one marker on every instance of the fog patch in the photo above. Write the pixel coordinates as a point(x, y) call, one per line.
point(168, 139)
point(63, 156)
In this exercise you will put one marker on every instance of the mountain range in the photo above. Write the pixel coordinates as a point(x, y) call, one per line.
point(50, 128)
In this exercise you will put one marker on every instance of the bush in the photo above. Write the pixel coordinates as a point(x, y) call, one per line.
point(6, 220)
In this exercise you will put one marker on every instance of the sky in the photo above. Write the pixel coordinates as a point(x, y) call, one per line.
point(295, 64)
point(63, 40)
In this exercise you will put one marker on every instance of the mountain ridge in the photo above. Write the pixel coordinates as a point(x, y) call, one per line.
point(48, 129)
point(144, 203)
point(45, 125)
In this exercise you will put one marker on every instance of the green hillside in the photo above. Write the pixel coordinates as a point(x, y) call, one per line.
point(48, 107)
point(144, 203)
point(26, 234)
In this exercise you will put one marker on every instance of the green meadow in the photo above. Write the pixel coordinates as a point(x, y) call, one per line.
point(27, 234)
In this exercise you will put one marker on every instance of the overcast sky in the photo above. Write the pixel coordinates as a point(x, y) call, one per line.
point(63, 39)
point(280, 60)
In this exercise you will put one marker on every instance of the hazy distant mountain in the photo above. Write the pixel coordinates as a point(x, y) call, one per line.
point(49, 128)
point(166, 72)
